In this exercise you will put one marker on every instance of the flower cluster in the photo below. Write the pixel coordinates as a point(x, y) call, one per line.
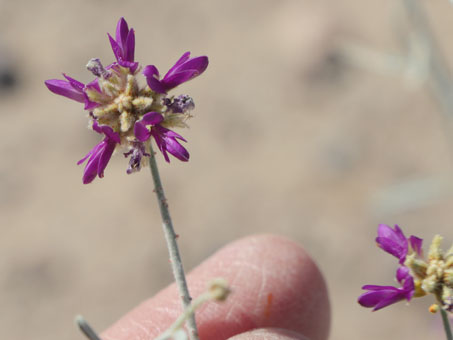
point(416, 275)
point(129, 115)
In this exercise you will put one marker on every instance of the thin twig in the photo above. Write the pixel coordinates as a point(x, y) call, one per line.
point(170, 237)
point(86, 328)
point(446, 323)
point(440, 73)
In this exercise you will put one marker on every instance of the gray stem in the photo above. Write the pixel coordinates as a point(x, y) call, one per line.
point(170, 237)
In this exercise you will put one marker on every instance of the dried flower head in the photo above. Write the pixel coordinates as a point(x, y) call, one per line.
point(127, 114)
point(417, 276)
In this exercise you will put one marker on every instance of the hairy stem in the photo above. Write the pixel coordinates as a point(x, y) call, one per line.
point(170, 237)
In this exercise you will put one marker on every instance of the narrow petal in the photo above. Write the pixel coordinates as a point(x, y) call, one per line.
point(156, 85)
point(177, 150)
point(166, 141)
point(129, 52)
point(392, 241)
point(105, 157)
point(122, 31)
point(74, 83)
point(152, 78)
point(184, 70)
point(117, 51)
point(381, 296)
point(141, 132)
point(416, 244)
point(88, 155)
point(91, 169)
point(178, 63)
point(64, 88)
point(402, 273)
point(178, 78)
point(110, 134)
point(160, 143)
point(151, 71)
point(198, 64)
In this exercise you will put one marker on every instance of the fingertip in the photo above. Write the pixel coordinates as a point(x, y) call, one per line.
point(269, 334)
point(274, 282)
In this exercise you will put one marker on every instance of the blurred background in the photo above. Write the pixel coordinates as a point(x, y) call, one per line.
point(316, 120)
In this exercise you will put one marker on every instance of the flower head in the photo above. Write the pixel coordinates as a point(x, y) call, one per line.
point(416, 275)
point(128, 114)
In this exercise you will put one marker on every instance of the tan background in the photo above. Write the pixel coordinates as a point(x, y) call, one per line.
point(288, 138)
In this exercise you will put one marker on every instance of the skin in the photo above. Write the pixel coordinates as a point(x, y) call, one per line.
point(278, 293)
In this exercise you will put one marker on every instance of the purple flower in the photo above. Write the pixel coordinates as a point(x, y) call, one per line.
point(120, 107)
point(395, 243)
point(185, 69)
point(123, 45)
point(100, 155)
point(71, 89)
point(382, 296)
point(166, 139)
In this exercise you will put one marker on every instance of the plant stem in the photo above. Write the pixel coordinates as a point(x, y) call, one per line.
point(446, 323)
point(170, 237)
point(86, 328)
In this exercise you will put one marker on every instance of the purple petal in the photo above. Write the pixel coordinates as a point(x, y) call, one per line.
point(100, 155)
point(392, 241)
point(110, 134)
point(177, 150)
point(64, 88)
point(105, 157)
point(166, 141)
point(382, 296)
point(416, 244)
point(178, 78)
point(75, 83)
point(129, 52)
point(152, 78)
point(156, 85)
point(94, 150)
point(402, 273)
point(141, 132)
point(107, 131)
point(184, 70)
point(152, 118)
point(96, 127)
point(160, 143)
point(178, 63)
point(116, 48)
point(122, 31)
point(151, 71)
point(198, 64)
point(128, 64)
point(91, 169)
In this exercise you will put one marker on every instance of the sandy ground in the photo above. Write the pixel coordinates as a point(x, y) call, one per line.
point(289, 138)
